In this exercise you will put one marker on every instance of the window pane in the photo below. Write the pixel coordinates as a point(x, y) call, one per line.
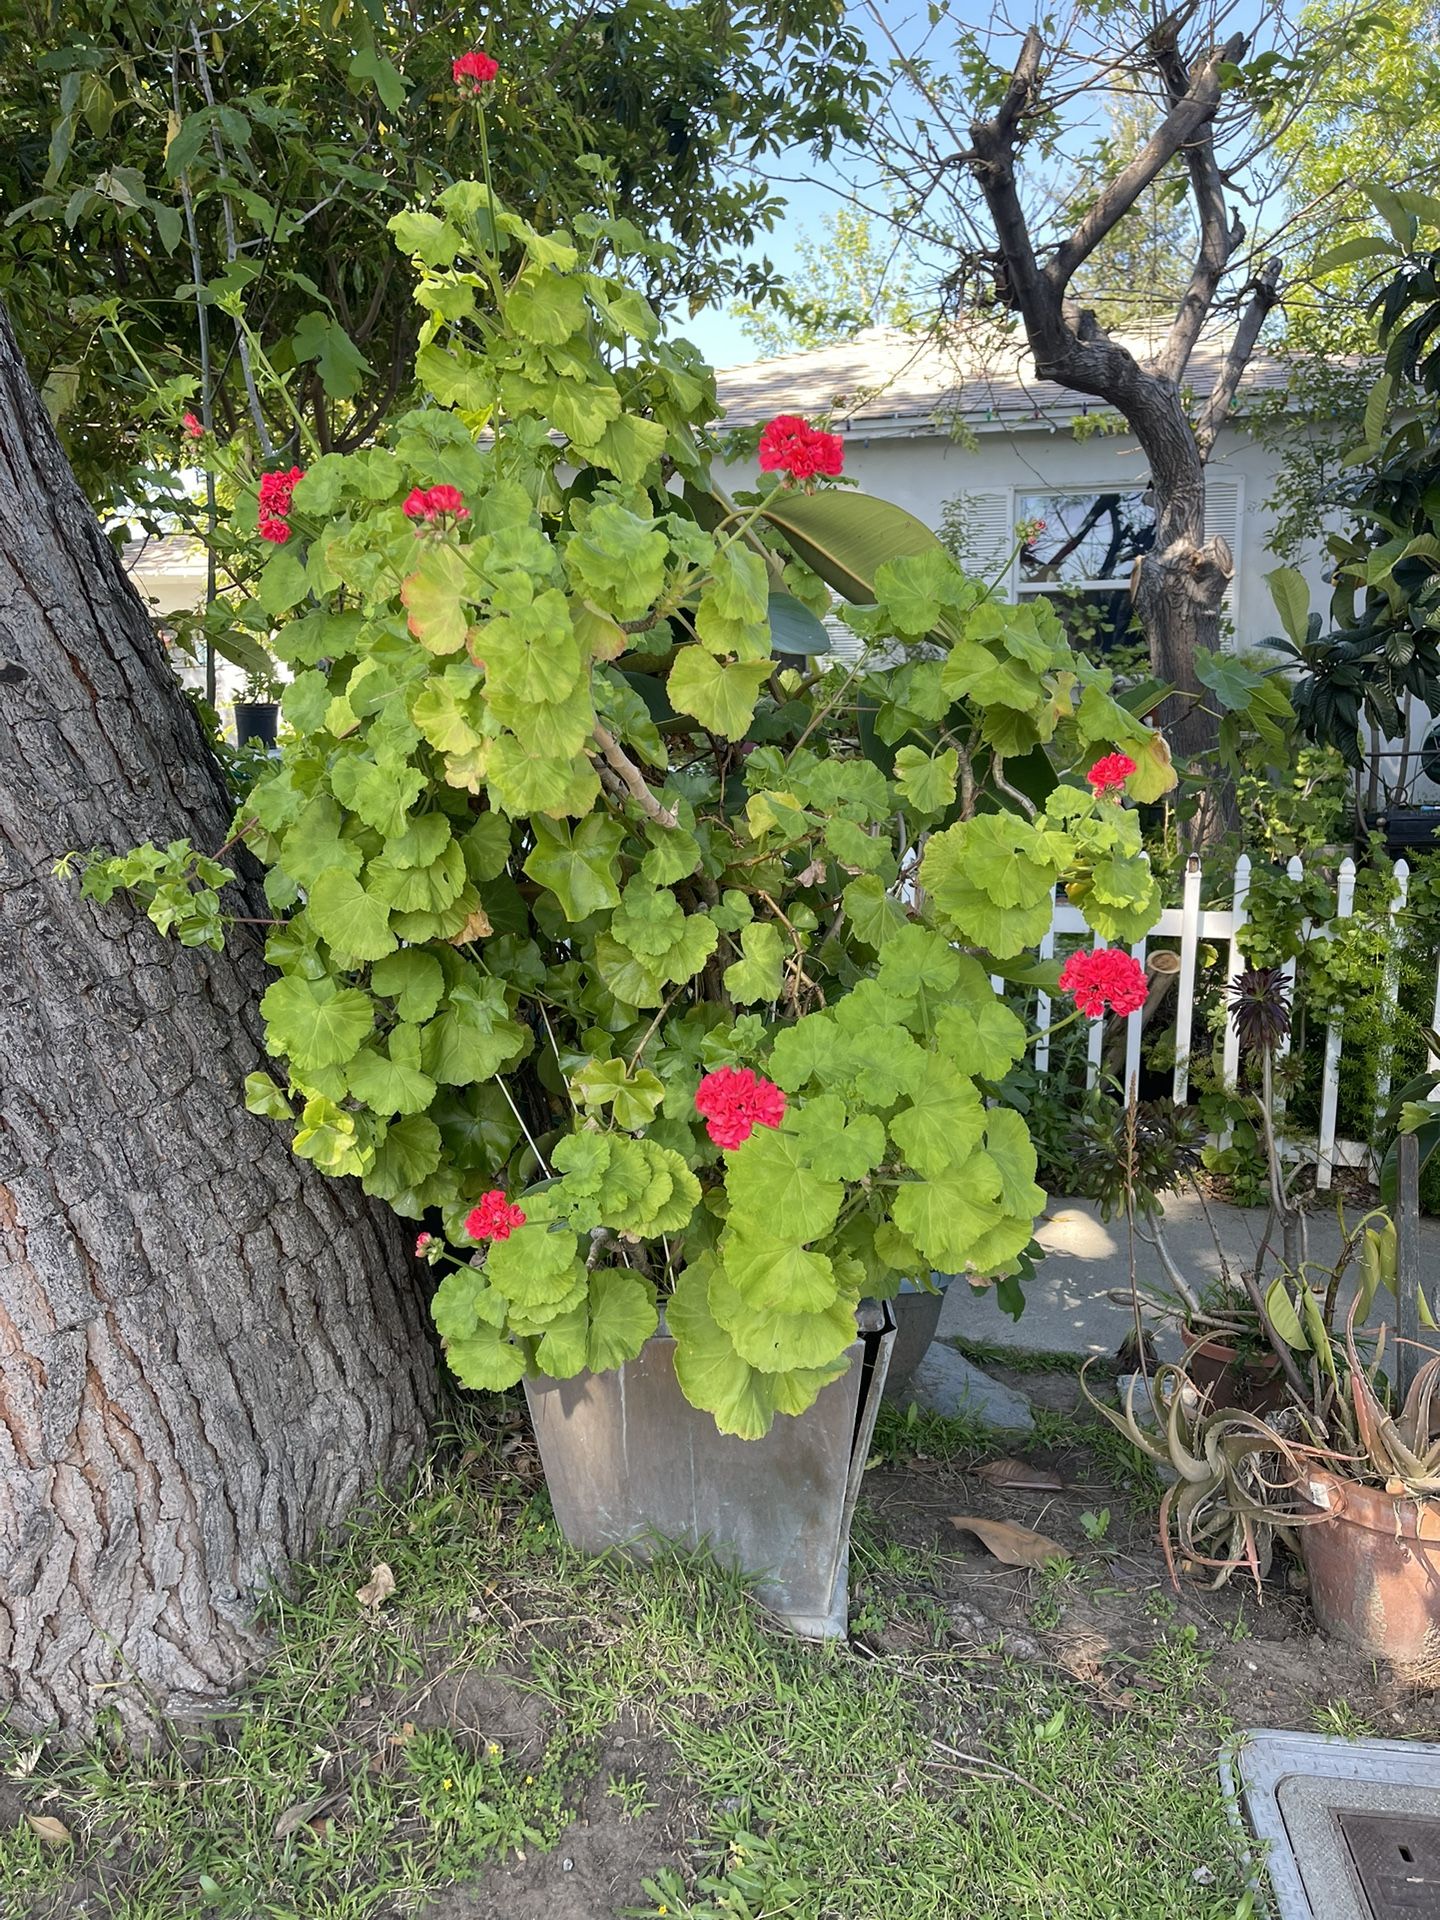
point(1082, 536)
point(1097, 620)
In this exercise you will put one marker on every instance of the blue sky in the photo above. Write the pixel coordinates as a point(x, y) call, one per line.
point(812, 188)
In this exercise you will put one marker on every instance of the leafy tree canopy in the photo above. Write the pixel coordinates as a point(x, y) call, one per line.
point(164, 166)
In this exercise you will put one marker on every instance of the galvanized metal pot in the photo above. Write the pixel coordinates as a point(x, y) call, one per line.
point(1374, 1569)
point(630, 1462)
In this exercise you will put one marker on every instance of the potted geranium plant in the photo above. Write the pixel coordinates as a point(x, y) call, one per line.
point(675, 1038)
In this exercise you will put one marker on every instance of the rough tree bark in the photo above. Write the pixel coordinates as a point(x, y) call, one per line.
point(1180, 583)
point(208, 1352)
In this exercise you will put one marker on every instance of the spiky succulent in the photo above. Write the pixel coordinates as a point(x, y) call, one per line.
point(1259, 1001)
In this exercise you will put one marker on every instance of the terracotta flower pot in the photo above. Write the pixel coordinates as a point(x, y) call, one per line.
point(1217, 1371)
point(1374, 1570)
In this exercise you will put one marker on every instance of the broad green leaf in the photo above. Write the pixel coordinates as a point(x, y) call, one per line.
point(847, 537)
point(485, 1360)
point(412, 979)
point(354, 922)
point(390, 1081)
point(618, 560)
point(472, 1037)
point(772, 1274)
point(977, 1032)
point(768, 1180)
point(711, 1374)
point(927, 780)
point(1290, 591)
point(623, 1316)
point(314, 1022)
point(578, 864)
point(436, 597)
point(758, 975)
point(776, 1341)
point(721, 697)
point(942, 1122)
point(946, 1218)
point(329, 1137)
point(1009, 1146)
point(409, 1154)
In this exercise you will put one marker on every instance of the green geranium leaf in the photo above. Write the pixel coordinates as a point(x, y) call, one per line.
point(355, 923)
point(947, 1218)
point(264, 1097)
point(436, 597)
point(382, 794)
point(408, 1155)
point(776, 1341)
point(390, 1081)
point(834, 1146)
point(473, 1036)
point(758, 975)
point(314, 1022)
point(722, 698)
point(711, 1374)
point(768, 1179)
point(927, 780)
point(329, 1137)
point(412, 979)
point(623, 1316)
point(486, 1360)
point(578, 864)
point(772, 1274)
point(1008, 1145)
point(977, 1032)
point(618, 560)
point(942, 1122)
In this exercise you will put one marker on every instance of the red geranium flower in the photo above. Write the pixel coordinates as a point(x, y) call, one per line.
point(192, 426)
point(276, 491)
point(1106, 977)
point(1110, 774)
point(432, 504)
point(477, 69)
point(494, 1218)
point(790, 445)
point(734, 1101)
point(422, 1241)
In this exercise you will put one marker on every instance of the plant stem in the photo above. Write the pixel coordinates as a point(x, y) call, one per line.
point(625, 768)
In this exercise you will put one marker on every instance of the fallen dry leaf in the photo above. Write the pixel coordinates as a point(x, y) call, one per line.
point(378, 1588)
point(1020, 1475)
point(477, 927)
point(1014, 1545)
point(53, 1832)
point(299, 1815)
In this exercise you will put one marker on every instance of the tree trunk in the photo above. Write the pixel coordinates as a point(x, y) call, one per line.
point(208, 1351)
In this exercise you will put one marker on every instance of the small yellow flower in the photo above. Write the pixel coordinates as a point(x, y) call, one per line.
point(662, 1908)
point(529, 1779)
point(493, 1748)
point(447, 1783)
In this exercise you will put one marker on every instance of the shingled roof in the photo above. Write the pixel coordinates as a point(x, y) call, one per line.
point(885, 381)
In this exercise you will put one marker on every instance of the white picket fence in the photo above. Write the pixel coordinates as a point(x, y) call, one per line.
point(1191, 924)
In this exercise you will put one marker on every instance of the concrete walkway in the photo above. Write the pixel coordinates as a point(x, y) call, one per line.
point(1066, 1310)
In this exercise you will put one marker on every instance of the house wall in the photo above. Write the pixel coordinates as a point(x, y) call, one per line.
point(921, 473)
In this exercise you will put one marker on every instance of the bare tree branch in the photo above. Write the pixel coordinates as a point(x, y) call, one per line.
point(1188, 117)
point(1264, 295)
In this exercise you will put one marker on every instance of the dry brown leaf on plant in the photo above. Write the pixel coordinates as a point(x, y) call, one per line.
point(378, 1588)
point(1016, 1546)
point(1021, 1476)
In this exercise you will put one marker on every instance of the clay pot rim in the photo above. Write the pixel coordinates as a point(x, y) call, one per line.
point(1221, 1349)
point(1403, 1506)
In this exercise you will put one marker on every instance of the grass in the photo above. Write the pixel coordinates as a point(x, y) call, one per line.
point(823, 1783)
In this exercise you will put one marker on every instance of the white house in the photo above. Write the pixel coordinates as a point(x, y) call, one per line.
point(972, 436)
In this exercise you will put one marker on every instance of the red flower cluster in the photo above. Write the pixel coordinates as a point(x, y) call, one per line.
point(734, 1101)
point(1107, 977)
point(276, 490)
point(1110, 774)
point(790, 445)
point(422, 1241)
point(473, 72)
point(494, 1218)
point(434, 504)
point(192, 426)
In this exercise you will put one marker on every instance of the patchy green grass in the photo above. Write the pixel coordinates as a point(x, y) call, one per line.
point(824, 1783)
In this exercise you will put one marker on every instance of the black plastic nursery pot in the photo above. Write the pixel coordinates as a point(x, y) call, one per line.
point(630, 1464)
point(257, 720)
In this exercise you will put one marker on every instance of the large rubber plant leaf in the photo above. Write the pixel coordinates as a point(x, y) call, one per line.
point(847, 537)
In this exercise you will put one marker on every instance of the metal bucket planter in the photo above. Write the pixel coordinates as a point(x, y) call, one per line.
point(917, 1320)
point(630, 1464)
point(1374, 1569)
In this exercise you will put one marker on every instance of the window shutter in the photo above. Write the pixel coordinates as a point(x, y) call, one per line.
point(1224, 515)
point(985, 526)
